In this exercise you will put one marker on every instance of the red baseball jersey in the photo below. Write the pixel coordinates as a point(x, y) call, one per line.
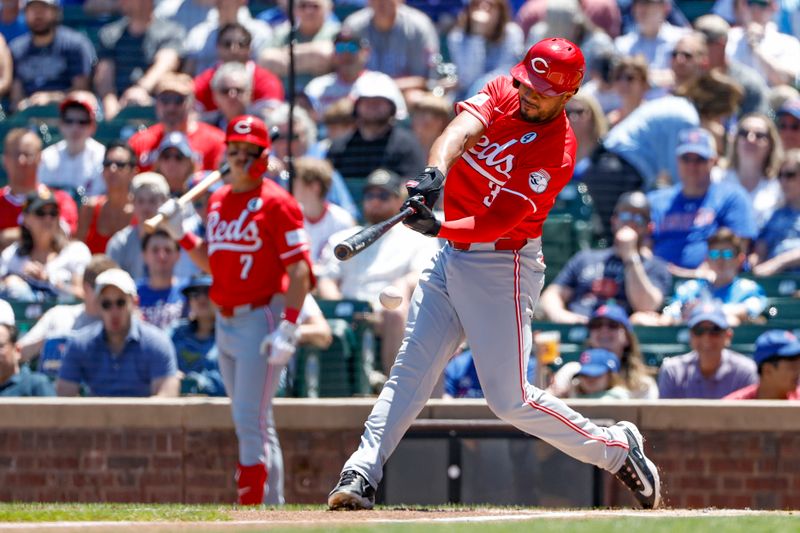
point(523, 164)
point(204, 139)
point(252, 237)
point(266, 86)
point(11, 209)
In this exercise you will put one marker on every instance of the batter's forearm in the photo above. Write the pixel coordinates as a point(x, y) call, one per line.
point(299, 284)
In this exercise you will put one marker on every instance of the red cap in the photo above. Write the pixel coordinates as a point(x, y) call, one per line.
point(551, 67)
point(81, 100)
point(249, 129)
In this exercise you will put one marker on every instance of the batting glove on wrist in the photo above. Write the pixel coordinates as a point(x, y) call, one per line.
point(427, 184)
point(280, 345)
point(173, 219)
point(423, 221)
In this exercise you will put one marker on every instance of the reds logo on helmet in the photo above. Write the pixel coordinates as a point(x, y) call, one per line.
point(249, 129)
point(551, 67)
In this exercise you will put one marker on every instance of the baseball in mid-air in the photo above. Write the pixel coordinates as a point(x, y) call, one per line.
point(391, 297)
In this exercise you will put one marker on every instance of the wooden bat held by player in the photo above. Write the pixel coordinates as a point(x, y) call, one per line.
point(361, 240)
point(188, 197)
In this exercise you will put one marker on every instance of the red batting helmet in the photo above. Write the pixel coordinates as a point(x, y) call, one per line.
point(551, 67)
point(249, 129)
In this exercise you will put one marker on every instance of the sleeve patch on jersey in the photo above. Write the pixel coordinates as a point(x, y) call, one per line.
point(478, 99)
point(295, 237)
point(538, 180)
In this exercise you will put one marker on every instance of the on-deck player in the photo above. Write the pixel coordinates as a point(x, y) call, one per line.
point(258, 255)
point(507, 154)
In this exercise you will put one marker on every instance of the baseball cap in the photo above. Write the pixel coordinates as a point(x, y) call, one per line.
point(612, 312)
point(790, 107)
point(177, 140)
point(82, 99)
point(764, 3)
point(696, 141)
point(249, 129)
point(385, 179)
point(196, 282)
point(776, 343)
point(54, 3)
point(115, 277)
point(41, 197)
point(6, 314)
point(708, 311)
point(597, 361)
point(712, 26)
point(551, 67)
point(175, 82)
point(152, 181)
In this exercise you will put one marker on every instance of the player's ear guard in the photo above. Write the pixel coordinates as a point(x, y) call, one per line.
point(427, 184)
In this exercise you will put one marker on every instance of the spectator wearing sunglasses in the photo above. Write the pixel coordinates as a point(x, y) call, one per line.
point(686, 214)
point(101, 216)
point(710, 370)
point(176, 161)
point(44, 264)
point(777, 356)
point(174, 102)
point(395, 259)
point(121, 355)
point(75, 162)
point(788, 121)
point(135, 52)
point(777, 248)
point(742, 300)
point(627, 273)
point(234, 45)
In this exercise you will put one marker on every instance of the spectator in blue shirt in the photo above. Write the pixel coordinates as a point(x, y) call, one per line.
point(741, 299)
point(160, 299)
point(16, 381)
point(777, 248)
point(49, 60)
point(121, 355)
point(195, 344)
point(688, 213)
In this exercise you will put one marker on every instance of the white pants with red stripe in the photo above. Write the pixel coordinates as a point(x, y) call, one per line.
point(251, 383)
point(488, 297)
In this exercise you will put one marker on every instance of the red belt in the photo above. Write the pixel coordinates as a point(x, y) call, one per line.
point(501, 244)
point(229, 312)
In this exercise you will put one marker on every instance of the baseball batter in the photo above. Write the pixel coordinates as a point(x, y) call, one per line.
point(258, 255)
point(507, 154)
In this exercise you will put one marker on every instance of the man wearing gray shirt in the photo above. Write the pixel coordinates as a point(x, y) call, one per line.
point(710, 371)
point(403, 41)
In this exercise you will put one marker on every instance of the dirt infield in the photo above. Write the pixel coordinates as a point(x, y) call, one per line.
point(261, 520)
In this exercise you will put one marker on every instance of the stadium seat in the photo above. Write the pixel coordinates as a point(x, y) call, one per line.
point(366, 345)
point(783, 312)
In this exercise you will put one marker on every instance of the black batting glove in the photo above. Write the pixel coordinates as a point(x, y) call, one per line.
point(427, 184)
point(423, 221)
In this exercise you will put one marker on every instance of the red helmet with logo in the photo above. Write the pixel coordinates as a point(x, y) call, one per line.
point(551, 67)
point(249, 129)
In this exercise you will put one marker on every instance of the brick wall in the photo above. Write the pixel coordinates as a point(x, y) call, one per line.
point(710, 454)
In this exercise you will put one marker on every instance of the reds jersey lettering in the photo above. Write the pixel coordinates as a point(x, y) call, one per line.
point(258, 231)
point(503, 161)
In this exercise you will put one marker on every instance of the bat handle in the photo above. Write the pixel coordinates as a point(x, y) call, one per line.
point(152, 223)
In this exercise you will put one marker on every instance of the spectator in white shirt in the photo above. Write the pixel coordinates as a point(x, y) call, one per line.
point(76, 161)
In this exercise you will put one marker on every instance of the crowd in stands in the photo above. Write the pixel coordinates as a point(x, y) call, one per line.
point(688, 126)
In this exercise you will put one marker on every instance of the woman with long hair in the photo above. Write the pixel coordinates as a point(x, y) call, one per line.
point(589, 125)
point(610, 329)
point(104, 215)
point(43, 264)
point(754, 160)
point(484, 40)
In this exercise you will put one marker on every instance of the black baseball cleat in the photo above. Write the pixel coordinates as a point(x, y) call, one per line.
point(638, 473)
point(353, 492)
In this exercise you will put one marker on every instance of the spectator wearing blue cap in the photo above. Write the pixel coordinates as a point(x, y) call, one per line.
point(626, 273)
point(176, 161)
point(778, 358)
point(710, 370)
point(742, 299)
point(611, 330)
point(195, 342)
point(598, 377)
point(788, 121)
point(688, 213)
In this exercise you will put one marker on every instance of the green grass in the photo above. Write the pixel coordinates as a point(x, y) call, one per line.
point(73, 512)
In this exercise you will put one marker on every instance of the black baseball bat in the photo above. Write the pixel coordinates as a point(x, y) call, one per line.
point(358, 242)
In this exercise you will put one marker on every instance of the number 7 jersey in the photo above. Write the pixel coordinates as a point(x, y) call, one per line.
point(252, 237)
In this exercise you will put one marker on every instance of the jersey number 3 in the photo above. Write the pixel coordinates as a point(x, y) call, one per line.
point(247, 263)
